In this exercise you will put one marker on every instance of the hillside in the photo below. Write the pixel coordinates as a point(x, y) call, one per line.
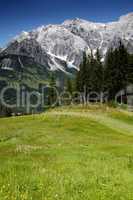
point(67, 153)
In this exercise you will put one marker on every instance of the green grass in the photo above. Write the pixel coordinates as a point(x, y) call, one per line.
point(70, 153)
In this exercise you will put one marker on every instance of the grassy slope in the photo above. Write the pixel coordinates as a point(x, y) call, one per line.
point(67, 154)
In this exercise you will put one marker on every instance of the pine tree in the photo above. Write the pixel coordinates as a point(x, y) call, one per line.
point(116, 70)
point(130, 69)
point(82, 74)
point(52, 92)
point(90, 76)
point(97, 76)
point(109, 73)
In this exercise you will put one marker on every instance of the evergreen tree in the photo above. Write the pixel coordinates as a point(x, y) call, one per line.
point(97, 75)
point(90, 76)
point(82, 74)
point(52, 90)
point(116, 70)
point(109, 73)
point(84, 77)
point(130, 69)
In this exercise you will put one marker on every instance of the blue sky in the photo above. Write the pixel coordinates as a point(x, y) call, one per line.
point(19, 15)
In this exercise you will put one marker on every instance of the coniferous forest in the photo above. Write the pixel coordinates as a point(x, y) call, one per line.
point(111, 76)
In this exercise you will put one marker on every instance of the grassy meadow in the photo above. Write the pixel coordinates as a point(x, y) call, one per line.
point(69, 153)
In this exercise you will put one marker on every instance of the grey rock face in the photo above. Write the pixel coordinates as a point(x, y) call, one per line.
point(6, 63)
point(99, 35)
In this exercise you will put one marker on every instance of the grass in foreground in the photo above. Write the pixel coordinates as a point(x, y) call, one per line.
point(67, 154)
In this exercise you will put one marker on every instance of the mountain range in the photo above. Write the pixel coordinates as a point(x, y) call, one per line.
point(31, 56)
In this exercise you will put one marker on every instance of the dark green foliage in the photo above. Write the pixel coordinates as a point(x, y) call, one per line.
point(90, 75)
point(130, 69)
point(115, 75)
point(117, 70)
point(83, 79)
point(4, 111)
point(97, 73)
point(52, 90)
